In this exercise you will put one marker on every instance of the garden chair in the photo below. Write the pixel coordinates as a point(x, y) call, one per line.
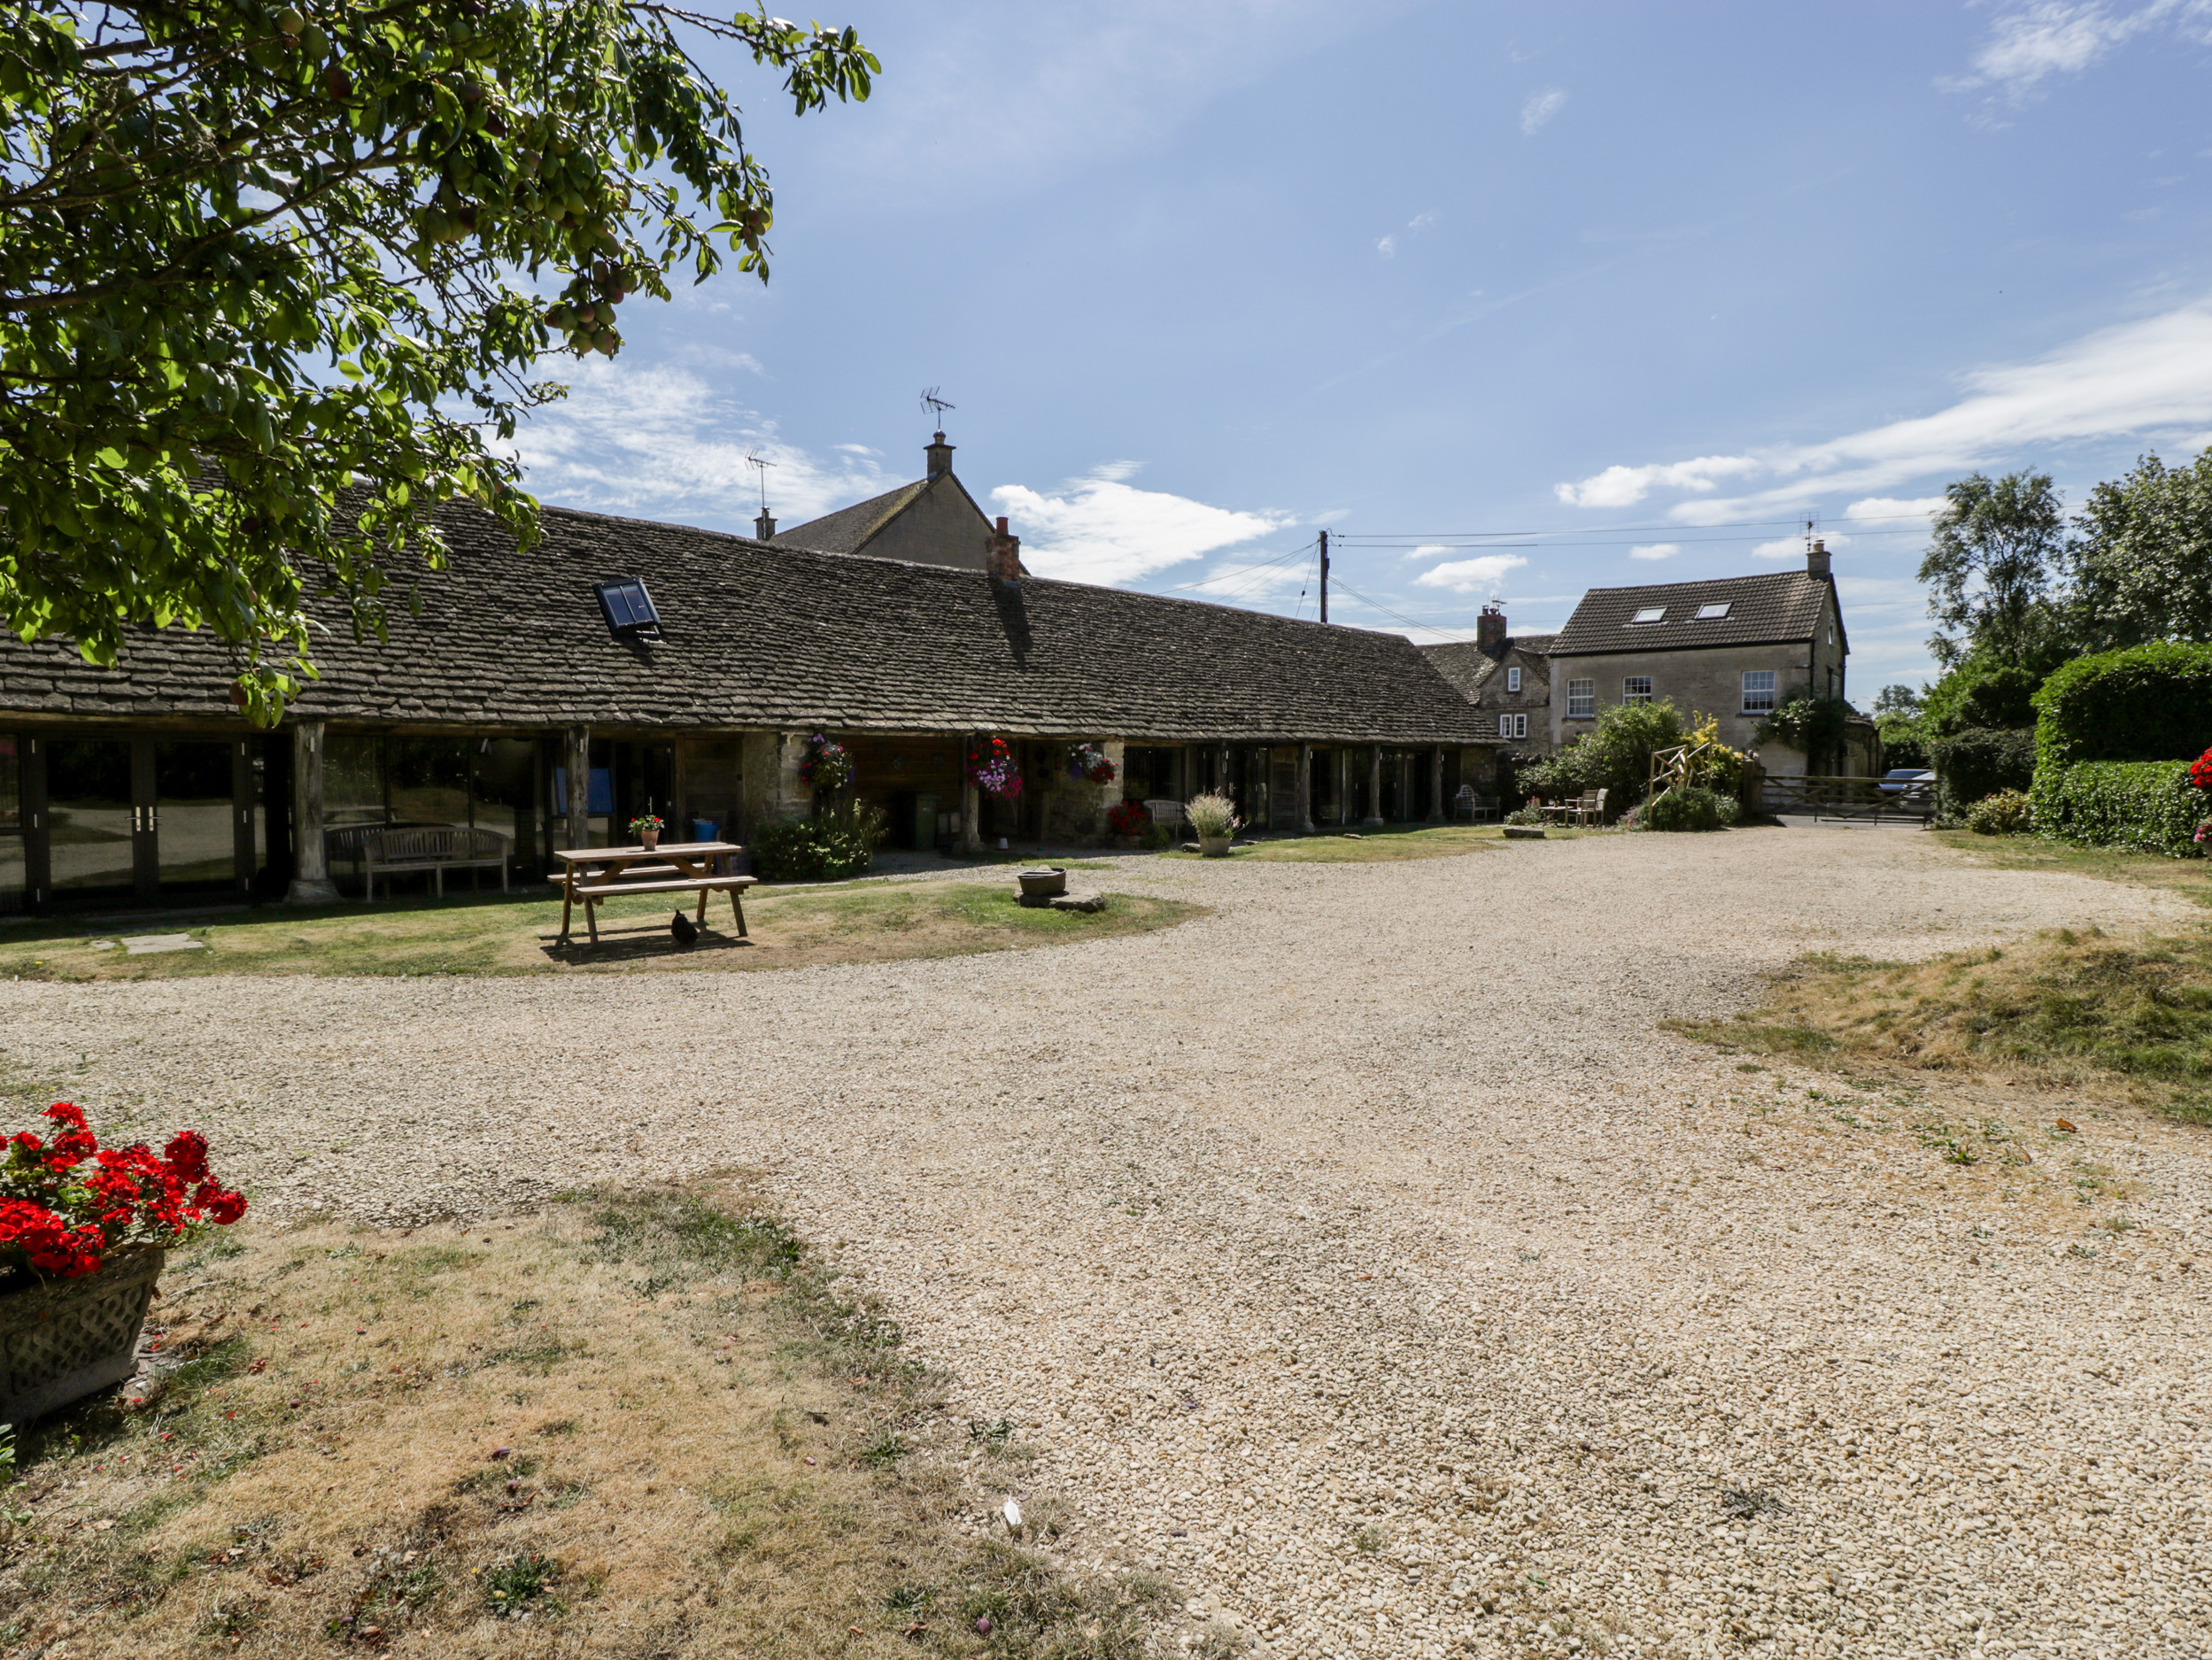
point(1591, 808)
point(1167, 815)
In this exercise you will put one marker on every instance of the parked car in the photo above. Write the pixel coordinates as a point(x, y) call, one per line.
point(1899, 779)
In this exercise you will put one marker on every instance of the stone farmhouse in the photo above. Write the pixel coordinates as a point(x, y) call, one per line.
point(1736, 647)
point(620, 667)
point(1508, 676)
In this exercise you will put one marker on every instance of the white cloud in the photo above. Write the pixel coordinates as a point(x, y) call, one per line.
point(661, 443)
point(1420, 222)
point(1655, 551)
point(1099, 528)
point(1893, 507)
point(1539, 107)
point(1783, 547)
point(1387, 247)
point(1625, 486)
point(2147, 377)
point(1430, 550)
point(1475, 575)
point(2060, 37)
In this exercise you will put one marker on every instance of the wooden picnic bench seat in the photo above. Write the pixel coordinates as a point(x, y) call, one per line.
point(437, 849)
point(591, 875)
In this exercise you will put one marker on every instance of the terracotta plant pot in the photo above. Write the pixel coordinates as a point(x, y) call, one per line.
point(66, 1339)
point(1214, 846)
point(648, 839)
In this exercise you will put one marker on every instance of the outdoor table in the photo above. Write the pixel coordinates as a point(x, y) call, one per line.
point(592, 874)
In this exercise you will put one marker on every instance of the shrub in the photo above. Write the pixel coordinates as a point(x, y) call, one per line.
point(1687, 806)
point(1904, 740)
point(2005, 813)
point(1212, 816)
point(1155, 837)
point(1524, 815)
point(1979, 692)
point(2146, 805)
point(1980, 762)
point(2147, 703)
point(1812, 726)
point(1616, 756)
point(838, 842)
point(1128, 818)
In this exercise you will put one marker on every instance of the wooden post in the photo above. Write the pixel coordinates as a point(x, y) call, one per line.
point(970, 819)
point(1436, 784)
point(1374, 785)
point(578, 762)
point(311, 862)
point(1305, 793)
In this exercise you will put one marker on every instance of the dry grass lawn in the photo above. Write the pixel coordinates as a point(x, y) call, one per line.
point(648, 1425)
point(2115, 1018)
point(874, 922)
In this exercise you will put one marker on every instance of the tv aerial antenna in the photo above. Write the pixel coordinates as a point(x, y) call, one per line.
point(760, 464)
point(936, 406)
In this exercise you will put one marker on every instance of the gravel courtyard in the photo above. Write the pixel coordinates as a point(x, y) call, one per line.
point(1361, 1255)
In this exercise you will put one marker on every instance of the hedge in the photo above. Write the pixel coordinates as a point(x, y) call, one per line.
point(1688, 806)
point(2149, 806)
point(837, 843)
point(2147, 703)
point(1980, 762)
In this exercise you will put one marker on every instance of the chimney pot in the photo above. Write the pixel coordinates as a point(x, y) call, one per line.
point(940, 453)
point(1490, 630)
point(764, 527)
point(1816, 557)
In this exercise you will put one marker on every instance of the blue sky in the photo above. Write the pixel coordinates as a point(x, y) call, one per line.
point(1515, 299)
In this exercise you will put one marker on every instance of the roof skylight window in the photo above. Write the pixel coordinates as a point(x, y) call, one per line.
point(1714, 612)
point(1650, 613)
point(628, 607)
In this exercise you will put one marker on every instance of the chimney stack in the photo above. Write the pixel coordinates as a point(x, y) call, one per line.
point(940, 455)
point(1816, 557)
point(764, 527)
point(1490, 630)
point(1006, 556)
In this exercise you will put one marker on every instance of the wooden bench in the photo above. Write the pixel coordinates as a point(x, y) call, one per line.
point(593, 873)
point(436, 849)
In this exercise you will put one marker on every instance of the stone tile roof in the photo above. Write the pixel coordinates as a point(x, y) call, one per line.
point(847, 529)
point(1773, 607)
point(1467, 664)
point(758, 635)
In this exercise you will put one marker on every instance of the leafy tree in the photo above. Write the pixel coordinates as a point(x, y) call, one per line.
point(1980, 690)
point(2142, 566)
point(1904, 740)
point(1615, 756)
point(1997, 544)
point(252, 252)
point(1896, 700)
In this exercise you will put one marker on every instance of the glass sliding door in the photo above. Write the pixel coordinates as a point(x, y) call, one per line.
point(195, 816)
point(94, 819)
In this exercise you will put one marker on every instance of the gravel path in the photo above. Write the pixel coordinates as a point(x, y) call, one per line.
point(1361, 1255)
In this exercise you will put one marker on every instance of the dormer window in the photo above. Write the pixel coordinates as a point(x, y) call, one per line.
point(628, 608)
point(1714, 612)
point(1650, 613)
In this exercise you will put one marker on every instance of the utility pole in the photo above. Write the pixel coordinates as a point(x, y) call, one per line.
point(1325, 576)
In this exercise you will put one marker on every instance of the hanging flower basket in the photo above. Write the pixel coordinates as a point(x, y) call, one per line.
point(992, 769)
point(84, 1230)
point(1088, 762)
point(827, 765)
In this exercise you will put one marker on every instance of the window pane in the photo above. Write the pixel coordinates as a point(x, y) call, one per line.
point(1635, 688)
point(1582, 697)
point(429, 781)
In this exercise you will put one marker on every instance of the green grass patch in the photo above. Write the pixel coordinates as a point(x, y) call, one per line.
point(519, 934)
point(2071, 1008)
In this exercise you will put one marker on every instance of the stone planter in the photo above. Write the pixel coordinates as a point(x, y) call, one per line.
point(1040, 885)
point(1214, 846)
point(66, 1339)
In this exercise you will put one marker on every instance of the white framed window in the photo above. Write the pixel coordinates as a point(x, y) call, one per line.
point(1581, 700)
point(1512, 680)
point(1635, 688)
point(1512, 726)
point(1759, 692)
point(1650, 613)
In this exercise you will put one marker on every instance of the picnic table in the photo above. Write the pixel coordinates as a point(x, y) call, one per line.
point(592, 874)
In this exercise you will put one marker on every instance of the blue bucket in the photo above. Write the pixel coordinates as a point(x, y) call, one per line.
point(703, 830)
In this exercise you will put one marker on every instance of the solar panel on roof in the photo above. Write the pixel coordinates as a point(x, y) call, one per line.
point(627, 606)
